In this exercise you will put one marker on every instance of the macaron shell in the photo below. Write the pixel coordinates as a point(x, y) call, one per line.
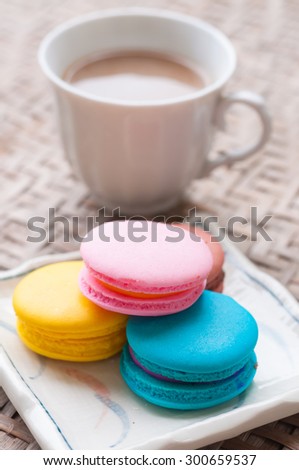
point(49, 298)
point(216, 284)
point(111, 300)
point(216, 250)
point(157, 263)
point(212, 335)
point(185, 396)
point(182, 376)
point(219, 288)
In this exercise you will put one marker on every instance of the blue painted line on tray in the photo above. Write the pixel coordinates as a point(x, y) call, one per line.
point(40, 402)
point(265, 287)
point(120, 413)
point(102, 393)
point(260, 283)
point(8, 327)
point(42, 360)
point(41, 367)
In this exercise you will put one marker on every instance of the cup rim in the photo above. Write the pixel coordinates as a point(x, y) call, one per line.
point(135, 11)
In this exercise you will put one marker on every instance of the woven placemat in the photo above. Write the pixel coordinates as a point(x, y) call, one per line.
point(14, 434)
point(35, 176)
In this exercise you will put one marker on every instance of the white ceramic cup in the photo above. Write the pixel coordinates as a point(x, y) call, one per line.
point(141, 156)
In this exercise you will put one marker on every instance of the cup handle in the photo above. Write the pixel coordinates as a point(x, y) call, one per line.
point(257, 103)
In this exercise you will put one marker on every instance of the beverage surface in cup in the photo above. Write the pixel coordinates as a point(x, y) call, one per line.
point(135, 76)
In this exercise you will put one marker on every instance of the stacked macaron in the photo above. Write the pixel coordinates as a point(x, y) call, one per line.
point(188, 345)
point(187, 348)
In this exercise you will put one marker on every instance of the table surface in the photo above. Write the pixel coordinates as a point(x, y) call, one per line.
point(34, 174)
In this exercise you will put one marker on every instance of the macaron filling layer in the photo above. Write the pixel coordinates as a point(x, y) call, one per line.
point(138, 295)
point(140, 288)
point(67, 347)
point(164, 373)
point(116, 301)
point(185, 395)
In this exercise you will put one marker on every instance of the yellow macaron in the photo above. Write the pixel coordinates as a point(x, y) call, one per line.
point(55, 320)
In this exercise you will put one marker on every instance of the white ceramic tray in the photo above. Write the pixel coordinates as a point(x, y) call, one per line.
point(88, 406)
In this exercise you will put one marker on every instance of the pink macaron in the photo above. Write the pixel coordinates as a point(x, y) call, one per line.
point(143, 267)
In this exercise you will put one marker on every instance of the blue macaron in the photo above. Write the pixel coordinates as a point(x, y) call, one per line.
point(195, 359)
